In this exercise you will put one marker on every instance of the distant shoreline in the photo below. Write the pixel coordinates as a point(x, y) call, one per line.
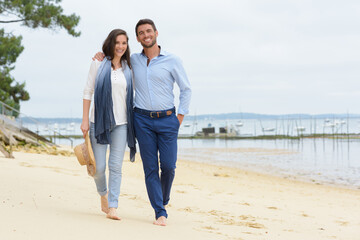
point(224, 116)
point(260, 137)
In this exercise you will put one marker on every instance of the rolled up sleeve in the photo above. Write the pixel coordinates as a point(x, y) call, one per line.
point(182, 81)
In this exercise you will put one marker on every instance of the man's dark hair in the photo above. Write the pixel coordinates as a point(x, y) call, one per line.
point(144, 21)
point(110, 42)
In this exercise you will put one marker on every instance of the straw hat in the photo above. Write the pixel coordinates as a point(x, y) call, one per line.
point(85, 155)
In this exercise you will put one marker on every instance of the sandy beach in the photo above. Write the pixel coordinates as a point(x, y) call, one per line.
point(52, 197)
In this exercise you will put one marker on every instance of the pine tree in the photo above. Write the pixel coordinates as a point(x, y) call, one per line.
point(33, 14)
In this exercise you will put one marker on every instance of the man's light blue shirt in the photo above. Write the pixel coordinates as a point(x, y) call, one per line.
point(154, 83)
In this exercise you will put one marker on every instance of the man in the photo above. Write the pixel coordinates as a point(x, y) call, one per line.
point(155, 122)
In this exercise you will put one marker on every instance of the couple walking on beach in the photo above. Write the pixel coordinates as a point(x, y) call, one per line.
point(116, 118)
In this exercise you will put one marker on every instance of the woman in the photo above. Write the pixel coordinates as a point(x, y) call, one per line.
point(111, 120)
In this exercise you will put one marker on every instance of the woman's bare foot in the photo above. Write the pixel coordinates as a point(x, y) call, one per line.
point(104, 204)
point(112, 214)
point(161, 221)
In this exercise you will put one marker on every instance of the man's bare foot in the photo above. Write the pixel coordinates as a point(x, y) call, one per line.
point(104, 204)
point(112, 214)
point(161, 221)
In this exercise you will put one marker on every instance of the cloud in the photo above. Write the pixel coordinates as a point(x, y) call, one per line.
point(259, 56)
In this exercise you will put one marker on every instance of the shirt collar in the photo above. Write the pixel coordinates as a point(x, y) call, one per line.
point(162, 52)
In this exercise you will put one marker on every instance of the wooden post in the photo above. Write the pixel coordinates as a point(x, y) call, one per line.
point(5, 152)
point(5, 139)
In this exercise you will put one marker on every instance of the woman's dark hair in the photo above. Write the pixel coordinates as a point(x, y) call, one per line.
point(144, 21)
point(109, 46)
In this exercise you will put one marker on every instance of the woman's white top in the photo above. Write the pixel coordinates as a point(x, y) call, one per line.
point(118, 92)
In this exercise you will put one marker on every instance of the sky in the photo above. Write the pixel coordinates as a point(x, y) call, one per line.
point(269, 57)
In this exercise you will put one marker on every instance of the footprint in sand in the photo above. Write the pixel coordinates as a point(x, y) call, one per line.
point(245, 204)
point(251, 224)
point(24, 164)
point(221, 175)
point(186, 209)
point(226, 219)
point(209, 228)
point(243, 220)
point(218, 213)
point(247, 217)
point(55, 169)
point(133, 197)
point(342, 223)
point(179, 191)
point(187, 186)
point(254, 225)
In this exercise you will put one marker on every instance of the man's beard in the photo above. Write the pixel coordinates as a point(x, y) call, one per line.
point(149, 46)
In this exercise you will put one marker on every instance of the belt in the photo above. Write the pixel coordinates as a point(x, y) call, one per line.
point(155, 114)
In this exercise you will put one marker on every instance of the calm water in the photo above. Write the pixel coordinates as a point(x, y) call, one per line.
point(319, 160)
point(292, 127)
point(332, 161)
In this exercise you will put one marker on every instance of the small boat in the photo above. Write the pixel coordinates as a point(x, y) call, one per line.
point(70, 128)
point(300, 129)
point(187, 125)
point(329, 125)
point(239, 123)
point(268, 129)
point(342, 122)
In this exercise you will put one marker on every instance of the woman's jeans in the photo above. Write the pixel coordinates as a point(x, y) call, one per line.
point(117, 149)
